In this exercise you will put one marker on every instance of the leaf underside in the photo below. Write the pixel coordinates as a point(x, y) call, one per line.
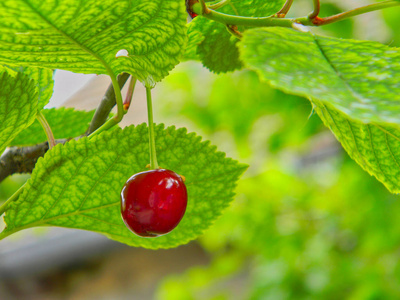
point(85, 36)
point(359, 78)
point(78, 185)
point(43, 79)
point(375, 147)
point(18, 104)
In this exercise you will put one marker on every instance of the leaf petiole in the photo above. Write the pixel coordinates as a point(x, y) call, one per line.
point(47, 129)
point(271, 21)
point(152, 143)
point(107, 103)
point(219, 4)
point(285, 9)
point(14, 197)
point(239, 20)
point(118, 96)
point(316, 21)
point(316, 10)
point(129, 93)
point(107, 125)
point(120, 106)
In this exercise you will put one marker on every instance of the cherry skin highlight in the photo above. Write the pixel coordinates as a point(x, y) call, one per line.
point(153, 202)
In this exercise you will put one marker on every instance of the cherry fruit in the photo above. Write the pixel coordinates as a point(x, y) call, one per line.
point(153, 202)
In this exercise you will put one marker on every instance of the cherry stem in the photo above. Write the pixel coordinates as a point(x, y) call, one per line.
point(285, 9)
point(14, 197)
point(152, 143)
point(47, 129)
point(315, 12)
point(129, 93)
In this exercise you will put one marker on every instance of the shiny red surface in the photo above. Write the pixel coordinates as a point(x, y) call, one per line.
point(153, 202)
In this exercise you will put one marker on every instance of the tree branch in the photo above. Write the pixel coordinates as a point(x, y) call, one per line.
point(22, 159)
point(106, 105)
point(199, 9)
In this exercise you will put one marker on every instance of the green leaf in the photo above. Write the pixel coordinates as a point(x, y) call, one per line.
point(218, 51)
point(85, 36)
point(18, 104)
point(375, 147)
point(43, 79)
point(359, 78)
point(64, 122)
point(194, 39)
point(78, 185)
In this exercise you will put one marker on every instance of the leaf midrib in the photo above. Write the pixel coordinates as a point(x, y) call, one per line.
point(345, 83)
point(107, 67)
point(41, 222)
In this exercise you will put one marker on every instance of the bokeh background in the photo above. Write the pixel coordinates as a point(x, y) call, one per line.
point(307, 221)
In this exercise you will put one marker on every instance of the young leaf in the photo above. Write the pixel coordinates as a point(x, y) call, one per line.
point(218, 51)
point(18, 104)
point(85, 36)
point(375, 147)
point(359, 78)
point(78, 185)
point(44, 82)
point(64, 122)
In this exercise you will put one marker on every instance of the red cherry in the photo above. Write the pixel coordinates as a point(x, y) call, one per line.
point(153, 202)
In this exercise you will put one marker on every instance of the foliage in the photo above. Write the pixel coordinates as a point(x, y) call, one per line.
point(77, 121)
point(370, 97)
point(18, 105)
point(300, 227)
point(85, 37)
point(218, 50)
point(353, 86)
point(78, 185)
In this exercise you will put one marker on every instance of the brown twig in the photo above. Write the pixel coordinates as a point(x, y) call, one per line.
point(106, 105)
point(22, 159)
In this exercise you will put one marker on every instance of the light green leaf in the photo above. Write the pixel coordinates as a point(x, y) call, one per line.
point(194, 39)
point(18, 104)
point(43, 79)
point(359, 78)
point(78, 185)
point(375, 147)
point(85, 36)
point(218, 51)
point(64, 122)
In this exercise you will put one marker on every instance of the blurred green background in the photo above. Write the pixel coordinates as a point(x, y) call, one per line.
point(307, 221)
